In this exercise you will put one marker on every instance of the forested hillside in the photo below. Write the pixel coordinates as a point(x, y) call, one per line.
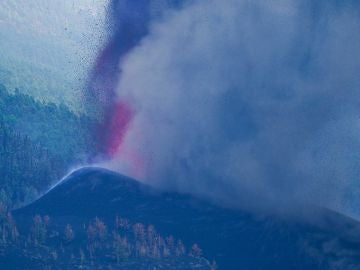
point(38, 143)
point(43, 243)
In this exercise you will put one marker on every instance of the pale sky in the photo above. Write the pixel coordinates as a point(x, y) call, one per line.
point(50, 44)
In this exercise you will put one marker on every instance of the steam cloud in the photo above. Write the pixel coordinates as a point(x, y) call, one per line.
point(248, 101)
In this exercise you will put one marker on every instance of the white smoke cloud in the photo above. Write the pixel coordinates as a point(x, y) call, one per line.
point(240, 99)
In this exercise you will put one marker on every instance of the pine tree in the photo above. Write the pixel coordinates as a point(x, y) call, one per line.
point(68, 233)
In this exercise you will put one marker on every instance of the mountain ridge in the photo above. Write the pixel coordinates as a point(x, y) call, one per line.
point(234, 238)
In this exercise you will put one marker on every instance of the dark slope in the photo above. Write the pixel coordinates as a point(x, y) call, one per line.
point(235, 239)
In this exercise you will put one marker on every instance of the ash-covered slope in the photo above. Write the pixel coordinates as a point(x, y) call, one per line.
point(235, 239)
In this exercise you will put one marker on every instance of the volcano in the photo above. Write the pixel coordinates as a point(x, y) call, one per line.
point(236, 239)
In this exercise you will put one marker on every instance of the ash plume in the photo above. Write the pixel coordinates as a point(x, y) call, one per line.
point(252, 102)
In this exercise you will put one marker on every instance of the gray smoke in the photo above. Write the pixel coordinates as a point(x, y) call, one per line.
point(249, 101)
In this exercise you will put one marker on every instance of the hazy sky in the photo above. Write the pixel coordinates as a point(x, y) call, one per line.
point(48, 46)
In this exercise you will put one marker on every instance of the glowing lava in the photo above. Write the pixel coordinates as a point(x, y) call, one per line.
point(123, 114)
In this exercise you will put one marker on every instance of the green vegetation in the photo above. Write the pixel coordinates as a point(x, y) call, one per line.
point(92, 244)
point(38, 144)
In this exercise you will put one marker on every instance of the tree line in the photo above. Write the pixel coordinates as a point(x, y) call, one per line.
point(39, 142)
point(95, 244)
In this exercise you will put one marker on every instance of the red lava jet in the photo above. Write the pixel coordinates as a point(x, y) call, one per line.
point(128, 25)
